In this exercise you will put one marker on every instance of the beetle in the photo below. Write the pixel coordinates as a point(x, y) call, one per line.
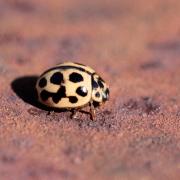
point(72, 86)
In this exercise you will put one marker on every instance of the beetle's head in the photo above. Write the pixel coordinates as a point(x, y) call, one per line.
point(100, 90)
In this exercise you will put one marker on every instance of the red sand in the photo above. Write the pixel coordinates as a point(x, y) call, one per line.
point(135, 46)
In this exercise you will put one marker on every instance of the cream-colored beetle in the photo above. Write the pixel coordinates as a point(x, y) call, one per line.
point(71, 86)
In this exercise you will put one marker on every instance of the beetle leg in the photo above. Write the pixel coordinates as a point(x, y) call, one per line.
point(74, 113)
point(49, 113)
point(92, 111)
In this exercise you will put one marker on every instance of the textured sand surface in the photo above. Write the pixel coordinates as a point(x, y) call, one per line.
point(135, 46)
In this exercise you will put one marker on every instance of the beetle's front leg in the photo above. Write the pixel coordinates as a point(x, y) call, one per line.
point(92, 111)
point(50, 113)
point(74, 113)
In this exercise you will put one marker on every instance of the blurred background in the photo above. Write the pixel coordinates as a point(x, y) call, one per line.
point(135, 46)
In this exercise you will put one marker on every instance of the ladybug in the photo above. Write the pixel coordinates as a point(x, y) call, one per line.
point(72, 86)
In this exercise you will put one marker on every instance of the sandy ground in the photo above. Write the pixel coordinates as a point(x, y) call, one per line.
point(135, 46)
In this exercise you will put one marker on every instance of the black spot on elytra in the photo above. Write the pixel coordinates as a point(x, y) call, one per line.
point(57, 78)
point(60, 94)
point(42, 82)
point(73, 99)
point(94, 84)
point(100, 83)
point(82, 91)
point(45, 95)
point(97, 94)
point(75, 77)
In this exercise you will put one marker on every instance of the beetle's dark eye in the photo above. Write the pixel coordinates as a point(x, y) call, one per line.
point(97, 94)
